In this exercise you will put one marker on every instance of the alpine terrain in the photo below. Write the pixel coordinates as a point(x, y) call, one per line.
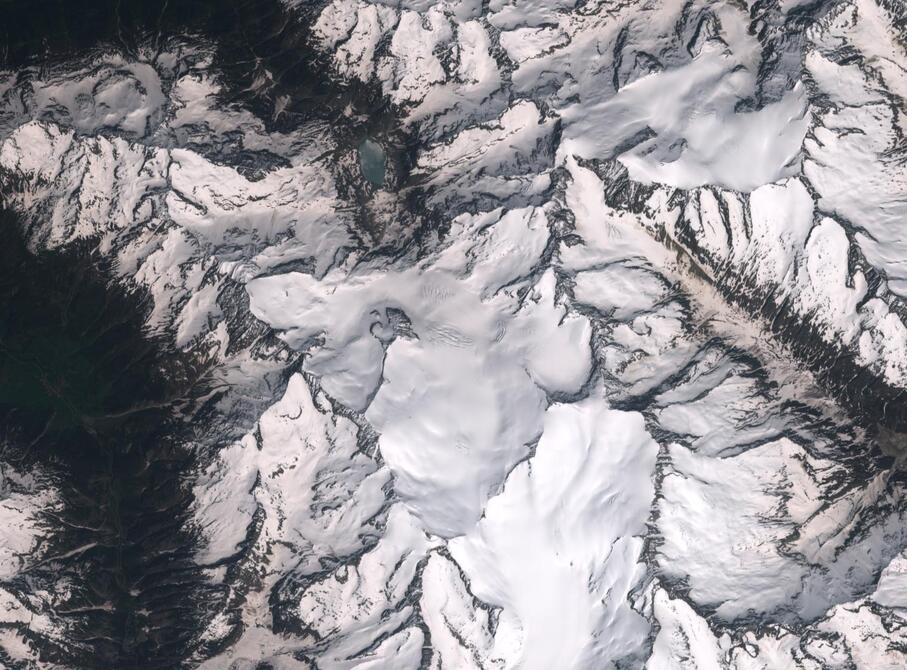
point(453, 334)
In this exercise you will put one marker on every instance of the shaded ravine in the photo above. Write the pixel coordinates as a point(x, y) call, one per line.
point(110, 412)
point(263, 55)
point(107, 409)
point(868, 399)
point(94, 401)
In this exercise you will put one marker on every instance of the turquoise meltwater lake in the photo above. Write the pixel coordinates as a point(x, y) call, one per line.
point(372, 161)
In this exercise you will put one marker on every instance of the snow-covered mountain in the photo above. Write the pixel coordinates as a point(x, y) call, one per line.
point(523, 334)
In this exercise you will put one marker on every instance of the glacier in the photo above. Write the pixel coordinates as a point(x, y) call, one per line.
point(545, 335)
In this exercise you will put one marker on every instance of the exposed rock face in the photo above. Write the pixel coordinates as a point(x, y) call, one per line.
point(482, 335)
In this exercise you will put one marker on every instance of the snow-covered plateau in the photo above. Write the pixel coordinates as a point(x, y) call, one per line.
point(527, 334)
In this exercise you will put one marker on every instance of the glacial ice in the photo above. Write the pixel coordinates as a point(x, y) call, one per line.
point(545, 421)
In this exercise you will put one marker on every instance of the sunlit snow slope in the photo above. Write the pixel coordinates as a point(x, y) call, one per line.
point(539, 334)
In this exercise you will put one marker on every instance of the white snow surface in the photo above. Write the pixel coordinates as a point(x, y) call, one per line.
point(548, 431)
